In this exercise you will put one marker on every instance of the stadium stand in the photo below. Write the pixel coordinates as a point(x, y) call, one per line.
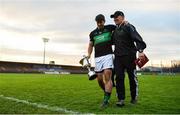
point(20, 67)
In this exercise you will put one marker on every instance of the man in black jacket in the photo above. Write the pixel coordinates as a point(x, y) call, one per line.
point(127, 42)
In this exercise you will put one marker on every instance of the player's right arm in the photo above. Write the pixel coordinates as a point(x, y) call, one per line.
point(90, 48)
point(91, 44)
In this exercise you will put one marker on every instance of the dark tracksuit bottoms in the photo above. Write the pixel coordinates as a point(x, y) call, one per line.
point(123, 63)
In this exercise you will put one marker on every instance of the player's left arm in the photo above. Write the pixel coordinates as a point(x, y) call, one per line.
point(111, 29)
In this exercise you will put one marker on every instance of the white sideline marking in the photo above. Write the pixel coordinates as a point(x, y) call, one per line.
point(38, 105)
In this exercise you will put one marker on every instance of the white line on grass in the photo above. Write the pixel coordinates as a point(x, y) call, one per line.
point(38, 105)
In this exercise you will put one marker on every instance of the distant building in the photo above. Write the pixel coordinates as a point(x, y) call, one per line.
point(19, 67)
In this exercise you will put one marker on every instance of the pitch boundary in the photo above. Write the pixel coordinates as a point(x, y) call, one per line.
point(42, 106)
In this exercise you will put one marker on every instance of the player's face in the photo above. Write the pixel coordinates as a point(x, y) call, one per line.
point(100, 24)
point(118, 20)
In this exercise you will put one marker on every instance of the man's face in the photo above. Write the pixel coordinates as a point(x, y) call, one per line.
point(118, 20)
point(100, 24)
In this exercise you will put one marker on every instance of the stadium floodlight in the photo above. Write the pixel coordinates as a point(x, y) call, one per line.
point(45, 40)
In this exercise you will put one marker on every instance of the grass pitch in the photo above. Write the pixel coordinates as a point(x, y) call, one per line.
point(157, 94)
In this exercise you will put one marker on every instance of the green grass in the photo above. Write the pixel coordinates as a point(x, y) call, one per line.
point(157, 94)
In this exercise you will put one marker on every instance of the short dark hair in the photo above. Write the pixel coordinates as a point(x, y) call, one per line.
point(99, 18)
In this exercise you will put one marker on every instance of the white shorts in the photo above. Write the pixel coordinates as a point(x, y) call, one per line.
point(104, 62)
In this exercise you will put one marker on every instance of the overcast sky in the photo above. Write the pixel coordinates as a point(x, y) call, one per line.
point(67, 23)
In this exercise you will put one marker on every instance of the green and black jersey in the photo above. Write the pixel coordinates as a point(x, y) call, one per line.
point(102, 40)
